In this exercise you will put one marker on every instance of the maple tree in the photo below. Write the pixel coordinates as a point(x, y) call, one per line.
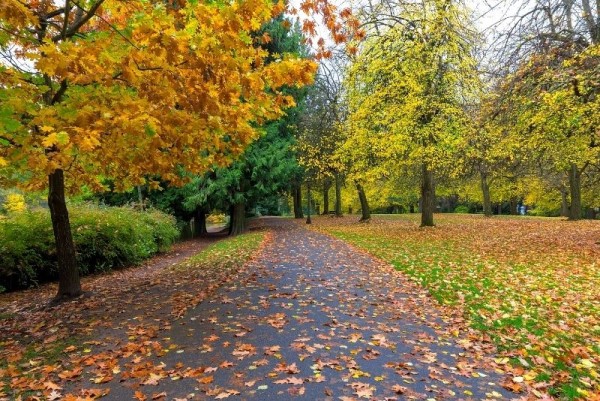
point(133, 90)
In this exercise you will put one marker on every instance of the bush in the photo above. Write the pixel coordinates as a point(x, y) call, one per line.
point(217, 218)
point(461, 209)
point(105, 238)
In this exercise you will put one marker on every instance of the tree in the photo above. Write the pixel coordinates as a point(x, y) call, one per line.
point(320, 129)
point(407, 89)
point(129, 90)
point(548, 89)
point(554, 108)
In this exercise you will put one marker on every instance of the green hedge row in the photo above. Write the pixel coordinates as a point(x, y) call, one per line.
point(105, 238)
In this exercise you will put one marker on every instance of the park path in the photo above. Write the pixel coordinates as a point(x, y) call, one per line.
point(312, 318)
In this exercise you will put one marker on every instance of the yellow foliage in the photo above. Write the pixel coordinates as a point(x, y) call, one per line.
point(145, 90)
point(15, 203)
point(406, 92)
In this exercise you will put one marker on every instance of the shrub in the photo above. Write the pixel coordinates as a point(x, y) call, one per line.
point(461, 209)
point(15, 203)
point(216, 218)
point(105, 238)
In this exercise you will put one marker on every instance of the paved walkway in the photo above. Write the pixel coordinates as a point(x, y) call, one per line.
point(310, 319)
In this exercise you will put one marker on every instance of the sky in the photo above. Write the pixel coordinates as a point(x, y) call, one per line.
point(490, 15)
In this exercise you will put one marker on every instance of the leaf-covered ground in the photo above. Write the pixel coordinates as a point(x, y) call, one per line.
point(532, 285)
point(44, 350)
point(307, 318)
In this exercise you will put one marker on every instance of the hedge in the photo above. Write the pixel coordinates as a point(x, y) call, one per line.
point(105, 238)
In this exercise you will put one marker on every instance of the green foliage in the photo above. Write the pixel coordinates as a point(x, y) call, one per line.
point(266, 168)
point(461, 209)
point(105, 238)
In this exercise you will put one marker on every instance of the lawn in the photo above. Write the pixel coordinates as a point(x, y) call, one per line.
point(530, 284)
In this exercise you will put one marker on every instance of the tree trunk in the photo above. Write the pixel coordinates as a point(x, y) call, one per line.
point(237, 220)
point(326, 187)
point(364, 204)
point(575, 189)
point(487, 201)
point(564, 204)
point(308, 219)
point(297, 195)
point(427, 197)
point(200, 223)
point(140, 197)
point(69, 284)
point(338, 196)
point(513, 204)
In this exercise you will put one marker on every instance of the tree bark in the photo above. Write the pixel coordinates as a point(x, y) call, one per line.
point(237, 220)
point(487, 201)
point(427, 197)
point(140, 197)
point(338, 196)
point(297, 195)
point(364, 204)
point(564, 204)
point(575, 189)
point(69, 284)
point(308, 219)
point(200, 222)
point(513, 203)
point(326, 186)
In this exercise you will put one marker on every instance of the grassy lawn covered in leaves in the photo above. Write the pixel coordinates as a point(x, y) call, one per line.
point(531, 284)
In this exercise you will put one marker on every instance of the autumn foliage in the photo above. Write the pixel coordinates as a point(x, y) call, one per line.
point(138, 89)
point(135, 92)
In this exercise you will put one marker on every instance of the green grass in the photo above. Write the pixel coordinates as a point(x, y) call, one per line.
point(231, 252)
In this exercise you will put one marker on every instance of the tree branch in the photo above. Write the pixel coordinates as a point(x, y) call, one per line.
point(79, 22)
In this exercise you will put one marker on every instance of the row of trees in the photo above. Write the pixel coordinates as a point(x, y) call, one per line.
point(420, 108)
point(104, 93)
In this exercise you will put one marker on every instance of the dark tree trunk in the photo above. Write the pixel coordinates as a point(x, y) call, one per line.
point(364, 204)
point(487, 201)
point(513, 203)
point(575, 189)
point(297, 195)
point(237, 219)
point(338, 196)
point(69, 284)
point(200, 222)
point(427, 197)
point(326, 187)
point(564, 203)
point(590, 213)
point(308, 219)
point(140, 197)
